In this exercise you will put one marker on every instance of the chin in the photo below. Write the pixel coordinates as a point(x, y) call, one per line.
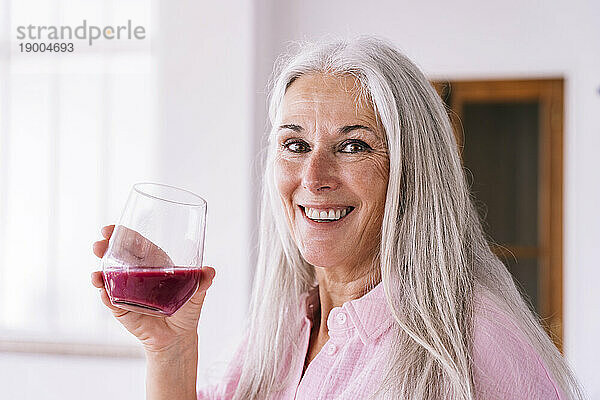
point(321, 257)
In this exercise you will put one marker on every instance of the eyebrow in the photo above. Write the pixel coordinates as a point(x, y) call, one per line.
point(342, 131)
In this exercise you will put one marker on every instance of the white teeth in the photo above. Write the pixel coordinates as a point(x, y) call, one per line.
point(330, 214)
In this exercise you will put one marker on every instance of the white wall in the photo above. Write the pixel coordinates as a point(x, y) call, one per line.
point(29, 376)
point(205, 82)
point(509, 38)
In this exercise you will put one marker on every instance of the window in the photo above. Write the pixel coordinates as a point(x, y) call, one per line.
point(77, 129)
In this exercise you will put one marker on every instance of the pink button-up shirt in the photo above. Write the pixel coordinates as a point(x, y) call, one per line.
point(350, 365)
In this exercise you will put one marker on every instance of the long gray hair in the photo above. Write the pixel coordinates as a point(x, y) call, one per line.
point(433, 252)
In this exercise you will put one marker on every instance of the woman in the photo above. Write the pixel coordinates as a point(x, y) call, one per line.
point(374, 278)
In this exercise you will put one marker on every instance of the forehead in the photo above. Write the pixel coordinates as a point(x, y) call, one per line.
point(326, 96)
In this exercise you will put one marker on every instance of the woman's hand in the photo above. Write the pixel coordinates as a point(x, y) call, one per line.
point(157, 334)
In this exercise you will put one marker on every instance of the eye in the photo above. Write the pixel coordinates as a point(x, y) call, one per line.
point(296, 146)
point(354, 146)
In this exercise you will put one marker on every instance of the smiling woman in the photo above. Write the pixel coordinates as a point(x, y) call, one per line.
point(374, 279)
point(401, 297)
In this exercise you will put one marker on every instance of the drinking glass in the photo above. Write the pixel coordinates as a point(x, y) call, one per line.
point(154, 256)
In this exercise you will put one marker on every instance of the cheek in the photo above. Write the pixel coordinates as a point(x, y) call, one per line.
point(369, 181)
point(286, 182)
point(285, 178)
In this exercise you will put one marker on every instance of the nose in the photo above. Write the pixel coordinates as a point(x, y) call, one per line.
point(320, 172)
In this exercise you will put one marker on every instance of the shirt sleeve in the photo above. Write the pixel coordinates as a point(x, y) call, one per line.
point(226, 388)
point(505, 365)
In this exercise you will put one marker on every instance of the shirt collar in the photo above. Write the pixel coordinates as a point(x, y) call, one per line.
point(369, 314)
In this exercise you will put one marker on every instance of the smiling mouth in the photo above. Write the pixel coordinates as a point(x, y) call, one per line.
point(326, 215)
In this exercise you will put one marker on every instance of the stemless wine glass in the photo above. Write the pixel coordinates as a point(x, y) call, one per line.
point(154, 256)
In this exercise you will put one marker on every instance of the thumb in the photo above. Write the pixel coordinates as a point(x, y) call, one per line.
point(208, 274)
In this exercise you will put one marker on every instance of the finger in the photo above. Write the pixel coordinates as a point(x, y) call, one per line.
point(208, 274)
point(141, 247)
point(100, 247)
point(117, 312)
point(198, 297)
point(97, 279)
point(107, 231)
point(132, 247)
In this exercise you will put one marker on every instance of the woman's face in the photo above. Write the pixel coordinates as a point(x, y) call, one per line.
point(331, 170)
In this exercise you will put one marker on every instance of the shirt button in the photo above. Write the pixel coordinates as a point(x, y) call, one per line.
point(341, 318)
point(331, 349)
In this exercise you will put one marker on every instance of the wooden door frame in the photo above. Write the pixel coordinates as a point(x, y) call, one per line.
point(549, 93)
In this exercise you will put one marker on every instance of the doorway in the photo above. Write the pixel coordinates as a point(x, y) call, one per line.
point(510, 136)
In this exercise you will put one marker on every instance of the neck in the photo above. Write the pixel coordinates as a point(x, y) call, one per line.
point(337, 288)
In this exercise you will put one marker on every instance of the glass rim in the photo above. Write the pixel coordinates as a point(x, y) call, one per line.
point(137, 188)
